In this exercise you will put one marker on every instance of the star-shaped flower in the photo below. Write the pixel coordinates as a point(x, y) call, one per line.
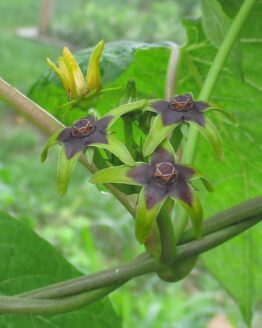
point(161, 178)
point(72, 77)
point(89, 132)
point(179, 110)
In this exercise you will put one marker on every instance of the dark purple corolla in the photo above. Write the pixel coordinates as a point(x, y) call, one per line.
point(85, 132)
point(162, 177)
point(180, 109)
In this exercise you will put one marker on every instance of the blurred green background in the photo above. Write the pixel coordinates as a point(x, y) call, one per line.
point(91, 229)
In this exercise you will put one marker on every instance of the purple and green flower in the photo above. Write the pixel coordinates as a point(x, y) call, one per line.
point(161, 178)
point(85, 133)
point(182, 109)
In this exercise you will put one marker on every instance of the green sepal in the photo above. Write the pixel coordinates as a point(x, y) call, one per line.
point(51, 141)
point(202, 177)
point(118, 149)
point(116, 174)
point(195, 211)
point(90, 154)
point(145, 217)
point(124, 109)
point(157, 134)
point(65, 168)
point(231, 118)
point(204, 180)
point(130, 93)
point(210, 132)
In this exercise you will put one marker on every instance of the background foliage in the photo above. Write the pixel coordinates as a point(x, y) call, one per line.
point(83, 220)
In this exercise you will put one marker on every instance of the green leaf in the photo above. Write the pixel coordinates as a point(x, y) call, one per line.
point(65, 168)
point(118, 149)
point(117, 174)
point(209, 131)
point(157, 134)
point(195, 211)
point(27, 262)
point(145, 217)
point(51, 141)
point(216, 24)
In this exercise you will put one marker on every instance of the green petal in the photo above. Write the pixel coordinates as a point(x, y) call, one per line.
point(51, 141)
point(74, 73)
point(64, 170)
point(126, 108)
point(157, 134)
point(195, 211)
point(118, 149)
point(145, 217)
point(93, 77)
point(210, 132)
point(116, 174)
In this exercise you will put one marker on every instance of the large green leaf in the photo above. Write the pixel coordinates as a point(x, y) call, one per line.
point(27, 262)
point(237, 264)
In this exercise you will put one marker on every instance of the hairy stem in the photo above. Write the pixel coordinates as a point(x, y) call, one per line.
point(48, 123)
point(207, 89)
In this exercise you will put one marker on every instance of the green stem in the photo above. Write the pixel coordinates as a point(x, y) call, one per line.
point(228, 217)
point(172, 72)
point(208, 87)
point(128, 131)
point(215, 239)
point(140, 266)
point(167, 238)
point(14, 304)
point(48, 123)
point(19, 305)
point(146, 264)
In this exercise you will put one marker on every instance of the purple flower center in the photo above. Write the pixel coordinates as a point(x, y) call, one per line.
point(165, 172)
point(83, 128)
point(182, 103)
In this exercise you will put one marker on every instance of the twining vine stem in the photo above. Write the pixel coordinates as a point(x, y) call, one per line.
point(70, 295)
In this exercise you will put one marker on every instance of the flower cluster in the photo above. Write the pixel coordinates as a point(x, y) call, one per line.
point(155, 179)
